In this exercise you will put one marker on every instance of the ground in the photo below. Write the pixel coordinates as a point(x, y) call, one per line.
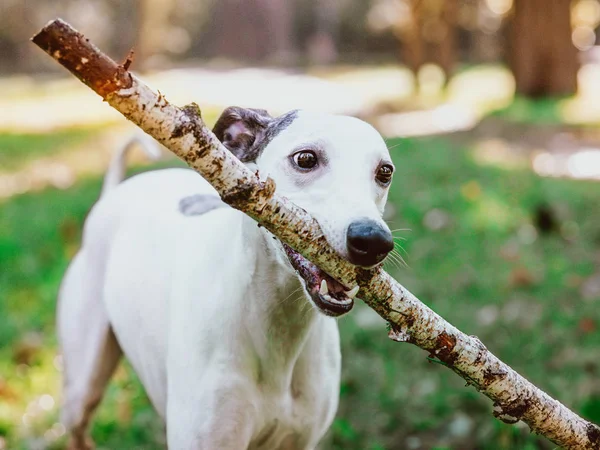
point(499, 252)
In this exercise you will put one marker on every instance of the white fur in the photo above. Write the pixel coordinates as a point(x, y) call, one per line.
point(207, 308)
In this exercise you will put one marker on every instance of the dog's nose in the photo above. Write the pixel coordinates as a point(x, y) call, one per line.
point(368, 242)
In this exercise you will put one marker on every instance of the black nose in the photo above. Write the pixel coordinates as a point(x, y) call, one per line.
point(368, 242)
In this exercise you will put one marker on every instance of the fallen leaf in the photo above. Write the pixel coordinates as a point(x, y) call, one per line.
point(521, 277)
point(587, 325)
point(471, 190)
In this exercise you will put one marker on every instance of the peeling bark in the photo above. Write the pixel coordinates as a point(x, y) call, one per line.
point(183, 132)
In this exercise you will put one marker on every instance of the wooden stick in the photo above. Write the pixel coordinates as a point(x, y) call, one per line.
point(183, 132)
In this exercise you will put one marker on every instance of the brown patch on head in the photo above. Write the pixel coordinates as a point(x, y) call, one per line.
point(247, 132)
point(240, 128)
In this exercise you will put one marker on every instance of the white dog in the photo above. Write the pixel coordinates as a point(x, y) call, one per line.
point(229, 330)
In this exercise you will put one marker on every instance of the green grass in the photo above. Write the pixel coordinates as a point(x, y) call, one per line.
point(17, 149)
point(543, 111)
point(482, 270)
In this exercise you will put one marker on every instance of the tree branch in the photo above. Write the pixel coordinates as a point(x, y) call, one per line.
point(183, 132)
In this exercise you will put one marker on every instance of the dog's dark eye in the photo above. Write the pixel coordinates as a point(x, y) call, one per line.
point(384, 174)
point(305, 159)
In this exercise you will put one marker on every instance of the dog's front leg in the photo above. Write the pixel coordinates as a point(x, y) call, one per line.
point(219, 414)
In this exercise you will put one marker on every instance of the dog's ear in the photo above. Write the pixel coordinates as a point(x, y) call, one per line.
point(240, 128)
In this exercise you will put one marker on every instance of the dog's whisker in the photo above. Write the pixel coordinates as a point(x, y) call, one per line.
point(391, 263)
point(398, 246)
point(400, 229)
point(399, 256)
point(305, 309)
point(394, 146)
point(292, 293)
point(277, 304)
point(394, 260)
point(393, 255)
point(280, 302)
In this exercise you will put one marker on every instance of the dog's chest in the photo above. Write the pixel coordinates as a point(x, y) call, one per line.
point(286, 427)
point(297, 419)
point(278, 436)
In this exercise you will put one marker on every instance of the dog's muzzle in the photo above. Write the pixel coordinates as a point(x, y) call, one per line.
point(331, 297)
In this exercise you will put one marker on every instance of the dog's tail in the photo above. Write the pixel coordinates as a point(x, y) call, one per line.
point(116, 169)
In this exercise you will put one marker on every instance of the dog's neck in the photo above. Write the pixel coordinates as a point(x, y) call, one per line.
point(282, 316)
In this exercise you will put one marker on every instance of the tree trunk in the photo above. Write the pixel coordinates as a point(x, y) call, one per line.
point(430, 35)
point(153, 27)
point(322, 47)
point(542, 57)
point(254, 30)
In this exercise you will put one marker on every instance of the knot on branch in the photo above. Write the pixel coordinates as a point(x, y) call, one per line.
point(444, 348)
point(364, 276)
point(189, 122)
point(482, 351)
point(513, 411)
point(250, 195)
point(593, 434)
point(395, 333)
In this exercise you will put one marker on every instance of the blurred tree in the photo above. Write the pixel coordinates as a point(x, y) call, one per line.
point(426, 29)
point(542, 56)
point(322, 48)
point(279, 31)
point(250, 30)
point(431, 29)
point(152, 29)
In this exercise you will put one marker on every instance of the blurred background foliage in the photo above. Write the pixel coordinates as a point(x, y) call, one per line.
point(491, 109)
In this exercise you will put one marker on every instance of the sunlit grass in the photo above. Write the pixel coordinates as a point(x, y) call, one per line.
point(17, 149)
point(544, 111)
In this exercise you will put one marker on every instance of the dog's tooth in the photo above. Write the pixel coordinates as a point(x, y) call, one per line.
point(327, 297)
point(324, 289)
point(352, 292)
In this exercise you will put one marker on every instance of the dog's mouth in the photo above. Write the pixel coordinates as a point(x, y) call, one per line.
point(331, 297)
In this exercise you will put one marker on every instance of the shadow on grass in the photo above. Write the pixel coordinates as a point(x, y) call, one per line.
point(478, 253)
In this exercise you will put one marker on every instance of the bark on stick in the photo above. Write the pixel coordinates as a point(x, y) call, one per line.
point(182, 131)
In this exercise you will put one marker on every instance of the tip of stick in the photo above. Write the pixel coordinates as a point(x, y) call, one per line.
point(58, 22)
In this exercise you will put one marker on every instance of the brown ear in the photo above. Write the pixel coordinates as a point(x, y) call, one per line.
point(240, 128)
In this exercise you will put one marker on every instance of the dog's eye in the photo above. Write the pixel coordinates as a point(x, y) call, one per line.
point(384, 174)
point(305, 159)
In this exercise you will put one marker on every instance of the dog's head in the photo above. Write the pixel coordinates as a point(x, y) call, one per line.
point(337, 168)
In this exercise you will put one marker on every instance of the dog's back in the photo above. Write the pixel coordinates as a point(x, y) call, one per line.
point(124, 270)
